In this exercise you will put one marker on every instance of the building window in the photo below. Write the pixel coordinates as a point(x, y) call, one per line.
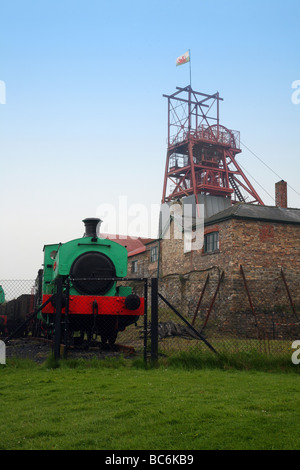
point(153, 254)
point(211, 242)
point(134, 266)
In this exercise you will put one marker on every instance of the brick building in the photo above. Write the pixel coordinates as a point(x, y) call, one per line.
point(142, 254)
point(256, 236)
point(249, 265)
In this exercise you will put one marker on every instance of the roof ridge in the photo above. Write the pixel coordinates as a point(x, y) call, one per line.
point(258, 212)
point(237, 207)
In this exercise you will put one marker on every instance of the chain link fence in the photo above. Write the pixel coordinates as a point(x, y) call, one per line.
point(166, 316)
point(70, 322)
point(227, 321)
point(107, 322)
point(17, 303)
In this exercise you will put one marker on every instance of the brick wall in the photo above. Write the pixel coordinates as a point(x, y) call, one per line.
point(263, 249)
point(281, 194)
point(145, 267)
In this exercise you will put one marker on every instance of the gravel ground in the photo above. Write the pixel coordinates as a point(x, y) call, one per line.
point(39, 351)
point(28, 349)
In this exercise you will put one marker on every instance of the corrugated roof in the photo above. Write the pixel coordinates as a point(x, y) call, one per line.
point(256, 212)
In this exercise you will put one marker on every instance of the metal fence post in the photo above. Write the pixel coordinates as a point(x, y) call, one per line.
point(145, 318)
point(57, 334)
point(154, 319)
point(66, 332)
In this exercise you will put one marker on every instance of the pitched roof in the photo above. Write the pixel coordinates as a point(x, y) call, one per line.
point(134, 245)
point(256, 212)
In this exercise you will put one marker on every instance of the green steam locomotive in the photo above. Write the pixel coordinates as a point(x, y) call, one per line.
point(93, 302)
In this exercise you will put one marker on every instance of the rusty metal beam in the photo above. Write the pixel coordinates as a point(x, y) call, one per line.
point(248, 292)
point(288, 293)
point(200, 299)
point(187, 323)
point(212, 301)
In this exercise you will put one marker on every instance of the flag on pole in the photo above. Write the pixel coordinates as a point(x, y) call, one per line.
point(183, 59)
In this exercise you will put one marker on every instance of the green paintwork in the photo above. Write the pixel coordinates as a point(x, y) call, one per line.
point(2, 295)
point(48, 267)
point(68, 252)
point(123, 291)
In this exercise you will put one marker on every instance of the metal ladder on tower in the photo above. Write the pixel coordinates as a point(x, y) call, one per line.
point(236, 189)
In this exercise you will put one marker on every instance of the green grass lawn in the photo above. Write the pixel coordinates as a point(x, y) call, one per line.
point(130, 408)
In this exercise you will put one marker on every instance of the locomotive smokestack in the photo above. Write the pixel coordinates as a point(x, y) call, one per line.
point(92, 227)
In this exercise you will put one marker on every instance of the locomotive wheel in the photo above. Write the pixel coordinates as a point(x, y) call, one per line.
point(110, 337)
point(104, 338)
point(36, 329)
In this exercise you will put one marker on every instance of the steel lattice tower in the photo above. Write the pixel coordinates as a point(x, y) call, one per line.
point(201, 152)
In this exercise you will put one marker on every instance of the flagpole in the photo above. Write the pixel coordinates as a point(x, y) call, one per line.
point(190, 68)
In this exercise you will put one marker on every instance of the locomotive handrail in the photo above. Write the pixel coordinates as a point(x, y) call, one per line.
point(98, 244)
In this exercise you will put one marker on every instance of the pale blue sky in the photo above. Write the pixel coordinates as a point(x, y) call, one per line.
point(85, 121)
